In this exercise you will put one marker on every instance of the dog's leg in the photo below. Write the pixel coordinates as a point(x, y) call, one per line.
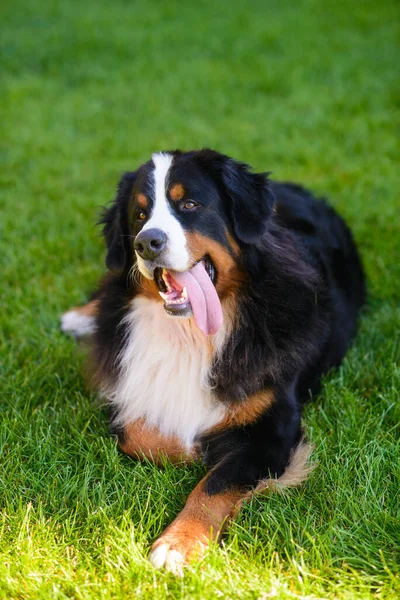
point(205, 514)
point(138, 440)
point(200, 522)
point(79, 321)
point(243, 460)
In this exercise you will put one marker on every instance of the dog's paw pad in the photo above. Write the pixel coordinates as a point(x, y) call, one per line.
point(164, 556)
point(76, 324)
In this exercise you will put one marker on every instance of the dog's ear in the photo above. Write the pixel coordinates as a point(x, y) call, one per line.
point(116, 225)
point(251, 200)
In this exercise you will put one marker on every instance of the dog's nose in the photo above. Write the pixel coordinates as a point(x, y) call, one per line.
point(150, 243)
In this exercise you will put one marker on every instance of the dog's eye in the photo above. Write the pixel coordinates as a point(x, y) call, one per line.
point(189, 205)
point(141, 215)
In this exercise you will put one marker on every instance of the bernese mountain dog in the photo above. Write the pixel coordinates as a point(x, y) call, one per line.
point(227, 297)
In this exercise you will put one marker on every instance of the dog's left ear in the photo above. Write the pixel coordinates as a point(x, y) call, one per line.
point(116, 225)
point(251, 200)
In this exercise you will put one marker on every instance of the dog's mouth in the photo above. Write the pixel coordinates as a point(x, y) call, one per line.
point(190, 293)
point(176, 300)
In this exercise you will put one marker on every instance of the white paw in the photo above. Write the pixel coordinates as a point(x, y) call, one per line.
point(76, 324)
point(164, 556)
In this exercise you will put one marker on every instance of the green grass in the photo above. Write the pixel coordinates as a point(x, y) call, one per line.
point(306, 89)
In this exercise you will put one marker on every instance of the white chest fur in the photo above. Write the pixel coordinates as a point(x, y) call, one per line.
point(164, 369)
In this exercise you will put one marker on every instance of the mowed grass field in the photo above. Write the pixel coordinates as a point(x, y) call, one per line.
point(308, 90)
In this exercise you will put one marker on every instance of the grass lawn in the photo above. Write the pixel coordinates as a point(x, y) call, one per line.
point(306, 89)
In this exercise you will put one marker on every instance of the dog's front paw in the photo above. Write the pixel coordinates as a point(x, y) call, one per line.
point(76, 324)
point(80, 321)
point(176, 547)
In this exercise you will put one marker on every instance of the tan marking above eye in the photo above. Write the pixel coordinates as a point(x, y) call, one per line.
point(177, 192)
point(142, 200)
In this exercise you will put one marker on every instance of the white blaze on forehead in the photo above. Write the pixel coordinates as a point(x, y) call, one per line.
point(175, 255)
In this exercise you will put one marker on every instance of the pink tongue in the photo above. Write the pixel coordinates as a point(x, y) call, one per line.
point(207, 310)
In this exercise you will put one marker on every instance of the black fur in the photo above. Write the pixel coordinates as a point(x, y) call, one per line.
point(297, 308)
point(246, 195)
point(115, 222)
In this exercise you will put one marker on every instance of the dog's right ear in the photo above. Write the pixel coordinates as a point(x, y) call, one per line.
point(116, 225)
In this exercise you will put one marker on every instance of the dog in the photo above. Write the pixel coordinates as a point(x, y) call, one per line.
point(227, 297)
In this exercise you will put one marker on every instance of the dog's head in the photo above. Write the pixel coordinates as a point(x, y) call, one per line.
point(183, 219)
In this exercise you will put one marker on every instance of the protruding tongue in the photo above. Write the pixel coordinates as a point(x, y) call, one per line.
point(207, 310)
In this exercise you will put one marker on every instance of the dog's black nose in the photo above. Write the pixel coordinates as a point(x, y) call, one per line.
point(150, 243)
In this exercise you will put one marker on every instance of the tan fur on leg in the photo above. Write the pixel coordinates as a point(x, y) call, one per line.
point(204, 517)
point(201, 520)
point(140, 440)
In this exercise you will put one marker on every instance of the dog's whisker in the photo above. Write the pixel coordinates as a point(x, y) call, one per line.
point(134, 275)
